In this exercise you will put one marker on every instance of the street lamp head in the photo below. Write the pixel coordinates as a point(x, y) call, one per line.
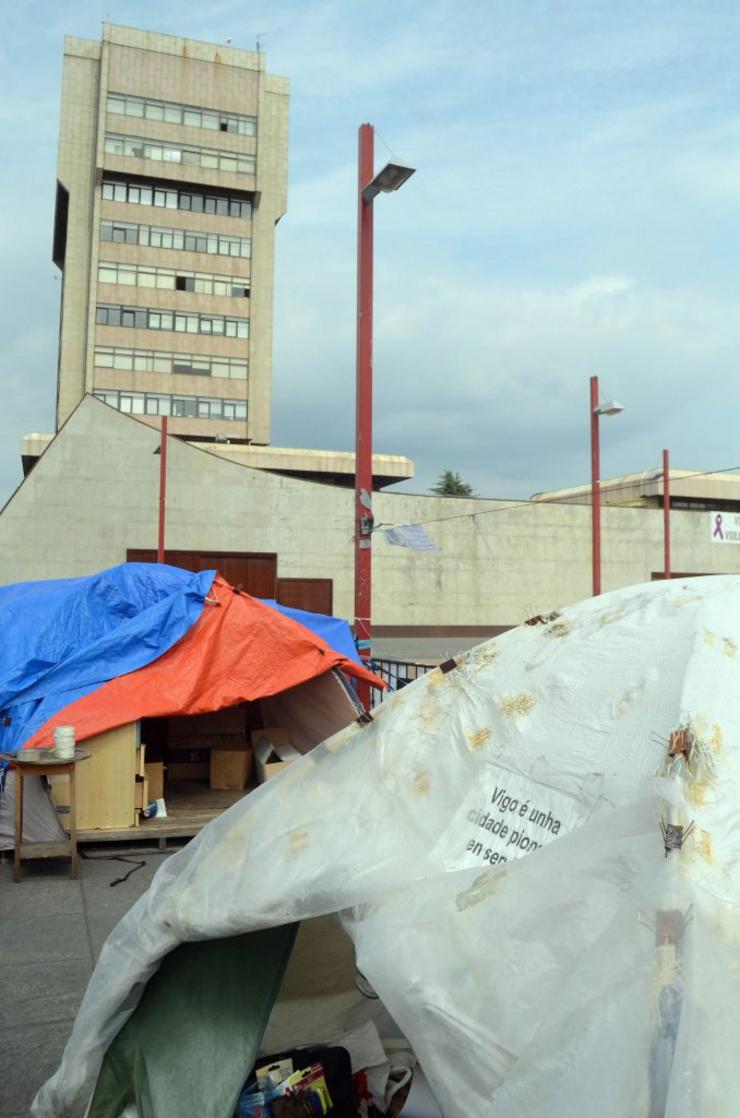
point(612, 408)
point(389, 179)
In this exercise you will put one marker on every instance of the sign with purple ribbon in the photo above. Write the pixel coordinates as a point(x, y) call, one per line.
point(725, 527)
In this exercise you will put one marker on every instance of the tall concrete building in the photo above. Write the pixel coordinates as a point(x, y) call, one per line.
point(172, 175)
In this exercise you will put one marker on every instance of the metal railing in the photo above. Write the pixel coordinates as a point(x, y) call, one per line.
point(397, 674)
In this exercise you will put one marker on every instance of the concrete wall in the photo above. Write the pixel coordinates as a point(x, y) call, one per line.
point(94, 493)
point(76, 173)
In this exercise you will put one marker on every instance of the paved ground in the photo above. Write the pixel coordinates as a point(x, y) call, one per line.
point(422, 649)
point(51, 932)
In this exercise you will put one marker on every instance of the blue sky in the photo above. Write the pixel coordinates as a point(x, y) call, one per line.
point(576, 210)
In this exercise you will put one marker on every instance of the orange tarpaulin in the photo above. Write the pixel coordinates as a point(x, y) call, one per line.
point(238, 650)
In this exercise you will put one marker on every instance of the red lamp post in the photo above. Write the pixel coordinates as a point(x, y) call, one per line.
point(162, 490)
point(392, 176)
point(666, 516)
point(595, 411)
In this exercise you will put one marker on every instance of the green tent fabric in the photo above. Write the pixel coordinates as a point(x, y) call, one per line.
point(206, 1008)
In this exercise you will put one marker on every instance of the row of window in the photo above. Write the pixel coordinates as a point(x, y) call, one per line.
point(172, 279)
point(139, 194)
point(156, 361)
point(145, 318)
point(151, 403)
point(125, 232)
point(127, 105)
point(167, 152)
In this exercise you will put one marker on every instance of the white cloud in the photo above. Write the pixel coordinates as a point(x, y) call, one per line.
point(574, 212)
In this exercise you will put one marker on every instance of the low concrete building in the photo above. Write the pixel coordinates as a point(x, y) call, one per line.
point(92, 500)
point(335, 466)
point(689, 489)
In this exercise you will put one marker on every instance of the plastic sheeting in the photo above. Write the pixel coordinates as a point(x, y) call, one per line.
point(238, 650)
point(40, 820)
point(334, 630)
point(63, 638)
point(496, 841)
point(215, 999)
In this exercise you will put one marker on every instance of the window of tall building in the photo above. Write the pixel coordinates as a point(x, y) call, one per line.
point(159, 361)
point(168, 152)
point(148, 318)
point(142, 194)
point(173, 279)
point(155, 236)
point(125, 104)
point(159, 403)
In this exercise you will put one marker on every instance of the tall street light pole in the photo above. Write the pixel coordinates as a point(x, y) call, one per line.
point(666, 516)
point(596, 410)
point(162, 490)
point(392, 176)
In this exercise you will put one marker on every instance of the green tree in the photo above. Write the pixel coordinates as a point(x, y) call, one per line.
point(451, 485)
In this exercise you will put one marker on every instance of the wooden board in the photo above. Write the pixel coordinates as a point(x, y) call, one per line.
point(105, 784)
point(155, 776)
point(190, 805)
point(141, 793)
point(313, 594)
point(35, 850)
point(255, 572)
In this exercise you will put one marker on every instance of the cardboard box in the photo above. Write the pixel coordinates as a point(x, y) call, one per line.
point(155, 776)
point(183, 730)
point(196, 754)
point(188, 770)
point(273, 751)
point(231, 766)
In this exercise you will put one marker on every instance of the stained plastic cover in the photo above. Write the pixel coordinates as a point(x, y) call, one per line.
point(535, 850)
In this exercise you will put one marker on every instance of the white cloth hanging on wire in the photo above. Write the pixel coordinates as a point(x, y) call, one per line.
point(410, 535)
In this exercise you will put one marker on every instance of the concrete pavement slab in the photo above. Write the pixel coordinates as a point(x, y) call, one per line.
point(52, 928)
point(99, 928)
point(100, 871)
point(41, 993)
point(52, 939)
point(45, 889)
point(30, 1056)
point(105, 903)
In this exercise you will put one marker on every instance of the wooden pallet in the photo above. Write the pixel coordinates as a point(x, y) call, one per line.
point(190, 805)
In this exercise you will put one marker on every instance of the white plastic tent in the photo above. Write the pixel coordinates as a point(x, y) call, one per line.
point(40, 820)
point(599, 973)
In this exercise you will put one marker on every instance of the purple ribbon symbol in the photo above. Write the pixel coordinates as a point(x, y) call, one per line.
point(718, 527)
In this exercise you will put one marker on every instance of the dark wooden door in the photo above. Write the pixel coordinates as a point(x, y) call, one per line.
point(254, 572)
point(313, 594)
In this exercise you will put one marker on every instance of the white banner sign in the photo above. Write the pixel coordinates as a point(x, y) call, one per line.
point(503, 820)
point(725, 527)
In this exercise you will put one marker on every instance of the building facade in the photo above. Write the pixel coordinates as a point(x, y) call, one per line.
point(172, 175)
point(93, 497)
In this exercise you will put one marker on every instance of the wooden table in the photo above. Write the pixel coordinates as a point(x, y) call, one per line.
point(44, 762)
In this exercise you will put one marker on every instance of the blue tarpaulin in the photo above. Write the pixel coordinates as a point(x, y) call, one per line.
point(334, 630)
point(61, 639)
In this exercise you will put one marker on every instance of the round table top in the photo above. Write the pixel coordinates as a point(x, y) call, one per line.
point(43, 757)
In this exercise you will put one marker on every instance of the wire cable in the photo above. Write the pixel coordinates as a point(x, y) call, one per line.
point(564, 500)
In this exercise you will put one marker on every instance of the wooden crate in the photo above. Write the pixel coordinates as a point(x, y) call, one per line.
point(105, 784)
